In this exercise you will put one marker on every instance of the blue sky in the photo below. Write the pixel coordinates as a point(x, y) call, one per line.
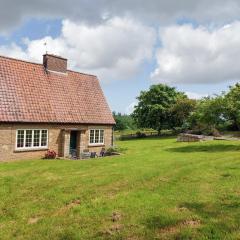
point(130, 49)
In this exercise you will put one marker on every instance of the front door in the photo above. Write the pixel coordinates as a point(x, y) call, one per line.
point(73, 143)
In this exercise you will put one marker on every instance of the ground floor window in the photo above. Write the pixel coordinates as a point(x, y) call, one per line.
point(96, 136)
point(31, 138)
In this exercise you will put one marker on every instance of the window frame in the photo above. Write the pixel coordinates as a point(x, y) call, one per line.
point(99, 137)
point(24, 148)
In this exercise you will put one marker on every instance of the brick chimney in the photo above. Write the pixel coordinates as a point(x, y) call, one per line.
point(55, 63)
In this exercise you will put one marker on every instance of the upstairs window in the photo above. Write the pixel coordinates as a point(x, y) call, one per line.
point(31, 138)
point(96, 136)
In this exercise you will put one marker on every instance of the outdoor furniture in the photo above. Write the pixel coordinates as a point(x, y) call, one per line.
point(85, 154)
point(73, 154)
point(102, 153)
point(93, 155)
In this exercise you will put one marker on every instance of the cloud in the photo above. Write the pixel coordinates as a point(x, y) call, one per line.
point(13, 50)
point(197, 96)
point(114, 50)
point(130, 108)
point(97, 11)
point(198, 55)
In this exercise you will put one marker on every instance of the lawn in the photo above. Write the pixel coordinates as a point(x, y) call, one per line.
point(158, 189)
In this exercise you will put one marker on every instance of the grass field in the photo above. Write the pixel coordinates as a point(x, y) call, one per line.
point(158, 189)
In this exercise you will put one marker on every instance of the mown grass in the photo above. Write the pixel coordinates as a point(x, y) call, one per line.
point(159, 189)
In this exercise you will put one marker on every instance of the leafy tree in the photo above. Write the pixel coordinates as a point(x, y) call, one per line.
point(208, 114)
point(154, 109)
point(181, 110)
point(232, 106)
point(123, 122)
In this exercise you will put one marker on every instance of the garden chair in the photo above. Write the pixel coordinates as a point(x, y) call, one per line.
point(102, 153)
point(85, 154)
point(73, 154)
point(93, 155)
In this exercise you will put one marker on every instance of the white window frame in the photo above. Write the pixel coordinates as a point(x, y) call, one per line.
point(98, 143)
point(24, 140)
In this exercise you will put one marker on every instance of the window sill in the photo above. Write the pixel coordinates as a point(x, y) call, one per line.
point(30, 149)
point(96, 145)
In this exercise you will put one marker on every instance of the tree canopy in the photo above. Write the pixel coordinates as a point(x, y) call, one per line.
point(123, 122)
point(163, 107)
point(232, 106)
point(154, 109)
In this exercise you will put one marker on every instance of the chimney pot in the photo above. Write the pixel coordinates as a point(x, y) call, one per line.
point(55, 63)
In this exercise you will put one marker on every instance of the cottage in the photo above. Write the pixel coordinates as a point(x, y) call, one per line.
point(46, 106)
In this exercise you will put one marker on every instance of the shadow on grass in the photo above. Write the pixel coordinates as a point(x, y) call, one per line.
point(217, 210)
point(210, 220)
point(214, 217)
point(157, 222)
point(207, 148)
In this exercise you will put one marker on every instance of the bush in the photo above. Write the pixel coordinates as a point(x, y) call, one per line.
point(168, 132)
point(114, 151)
point(207, 131)
point(140, 134)
point(50, 154)
point(211, 132)
point(111, 150)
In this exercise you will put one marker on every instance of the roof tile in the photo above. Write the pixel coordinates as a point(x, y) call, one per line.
point(29, 93)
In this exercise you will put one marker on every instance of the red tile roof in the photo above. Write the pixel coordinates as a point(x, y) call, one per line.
point(29, 93)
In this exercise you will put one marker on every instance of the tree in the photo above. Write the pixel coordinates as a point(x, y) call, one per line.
point(232, 103)
point(208, 114)
point(181, 110)
point(154, 107)
point(123, 122)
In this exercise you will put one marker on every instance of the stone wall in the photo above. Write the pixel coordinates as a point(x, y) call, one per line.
point(58, 140)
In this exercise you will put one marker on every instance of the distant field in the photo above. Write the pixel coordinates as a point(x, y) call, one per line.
point(158, 189)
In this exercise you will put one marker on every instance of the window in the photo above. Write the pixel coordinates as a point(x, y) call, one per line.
point(96, 136)
point(36, 138)
point(28, 142)
point(31, 139)
point(44, 138)
point(92, 133)
point(20, 139)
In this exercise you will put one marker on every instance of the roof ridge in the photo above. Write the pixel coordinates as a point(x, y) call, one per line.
point(20, 60)
point(40, 64)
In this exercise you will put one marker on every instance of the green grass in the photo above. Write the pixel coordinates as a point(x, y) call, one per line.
point(159, 189)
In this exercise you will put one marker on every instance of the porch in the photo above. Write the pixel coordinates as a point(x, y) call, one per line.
point(74, 142)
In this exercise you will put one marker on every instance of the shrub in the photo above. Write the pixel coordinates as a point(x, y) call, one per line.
point(111, 150)
point(140, 134)
point(114, 151)
point(169, 132)
point(50, 154)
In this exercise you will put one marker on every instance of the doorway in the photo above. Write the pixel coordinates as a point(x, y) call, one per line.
point(73, 143)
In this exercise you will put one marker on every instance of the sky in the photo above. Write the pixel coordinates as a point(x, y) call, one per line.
point(131, 44)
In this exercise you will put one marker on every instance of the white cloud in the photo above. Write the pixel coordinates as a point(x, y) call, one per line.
point(130, 108)
point(13, 50)
point(113, 50)
point(194, 95)
point(198, 55)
